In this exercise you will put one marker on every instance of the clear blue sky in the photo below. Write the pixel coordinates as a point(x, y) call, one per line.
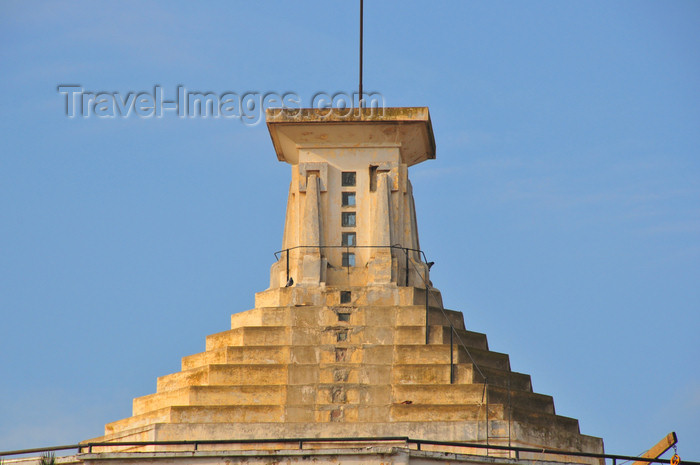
point(562, 211)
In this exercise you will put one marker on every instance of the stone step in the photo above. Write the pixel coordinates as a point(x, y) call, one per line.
point(545, 421)
point(471, 339)
point(318, 316)
point(232, 375)
point(329, 353)
point(316, 393)
point(396, 412)
point(249, 336)
point(210, 396)
point(428, 394)
point(238, 355)
point(348, 394)
point(309, 354)
point(440, 353)
point(437, 412)
point(433, 373)
point(530, 401)
point(376, 334)
point(228, 414)
point(156, 416)
point(380, 296)
point(466, 373)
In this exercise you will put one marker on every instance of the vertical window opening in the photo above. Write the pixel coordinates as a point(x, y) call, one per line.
point(348, 219)
point(348, 178)
point(349, 239)
point(348, 199)
point(348, 259)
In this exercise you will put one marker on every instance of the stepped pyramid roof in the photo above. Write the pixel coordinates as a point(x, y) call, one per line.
point(351, 339)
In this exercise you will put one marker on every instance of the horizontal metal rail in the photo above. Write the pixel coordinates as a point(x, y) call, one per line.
point(419, 443)
point(395, 246)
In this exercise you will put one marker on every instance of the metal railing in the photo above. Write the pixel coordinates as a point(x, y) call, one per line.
point(418, 444)
point(406, 250)
point(426, 284)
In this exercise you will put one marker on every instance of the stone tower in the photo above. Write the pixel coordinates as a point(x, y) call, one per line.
point(350, 339)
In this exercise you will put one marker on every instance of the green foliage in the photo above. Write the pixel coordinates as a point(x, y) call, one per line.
point(49, 458)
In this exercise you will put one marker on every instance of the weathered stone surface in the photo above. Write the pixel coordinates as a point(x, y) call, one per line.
point(342, 349)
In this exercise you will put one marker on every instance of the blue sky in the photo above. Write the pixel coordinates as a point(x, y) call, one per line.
point(562, 211)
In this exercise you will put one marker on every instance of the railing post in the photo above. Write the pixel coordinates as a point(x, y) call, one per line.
point(427, 326)
point(406, 251)
point(452, 356)
point(287, 254)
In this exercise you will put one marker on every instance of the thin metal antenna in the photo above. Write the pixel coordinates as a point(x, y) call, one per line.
point(361, 99)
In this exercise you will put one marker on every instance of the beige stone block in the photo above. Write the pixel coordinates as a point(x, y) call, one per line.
point(373, 414)
point(413, 315)
point(211, 395)
point(339, 373)
point(410, 335)
point(374, 374)
point(301, 394)
point(299, 414)
point(470, 339)
point(537, 421)
point(266, 335)
point(483, 358)
point(339, 335)
point(156, 416)
point(446, 317)
point(503, 378)
point(375, 335)
point(439, 394)
point(336, 414)
point(257, 355)
point(379, 295)
point(271, 374)
point(232, 337)
point(421, 374)
point(303, 374)
point(299, 354)
point(307, 317)
point(196, 376)
point(145, 404)
point(377, 354)
point(265, 316)
point(429, 413)
point(376, 394)
point(421, 354)
point(227, 414)
point(246, 318)
point(336, 394)
point(379, 316)
point(340, 354)
point(237, 395)
point(203, 358)
point(304, 336)
point(531, 401)
point(353, 394)
point(465, 373)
